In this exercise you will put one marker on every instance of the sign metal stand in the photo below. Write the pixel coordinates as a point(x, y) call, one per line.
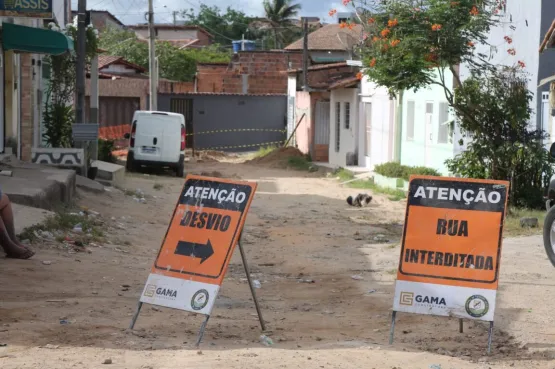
point(187, 245)
point(392, 330)
point(449, 263)
point(255, 299)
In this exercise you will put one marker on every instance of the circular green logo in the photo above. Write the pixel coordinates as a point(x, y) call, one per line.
point(200, 300)
point(477, 306)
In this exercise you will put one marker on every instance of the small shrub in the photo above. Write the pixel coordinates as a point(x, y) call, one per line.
point(343, 174)
point(264, 150)
point(421, 171)
point(105, 148)
point(391, 169)
point(299, 162)
point(396, 170)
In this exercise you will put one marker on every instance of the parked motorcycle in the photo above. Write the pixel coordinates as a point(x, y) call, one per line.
point(549, 223)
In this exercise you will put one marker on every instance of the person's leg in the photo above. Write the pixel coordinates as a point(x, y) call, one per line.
point(6, 213)
point(8, 239)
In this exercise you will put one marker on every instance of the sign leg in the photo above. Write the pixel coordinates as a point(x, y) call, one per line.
point(461, 328)
point(246, 265)
point(134, 320)
point(202, 328)
point(392, 327)
point(490, 336)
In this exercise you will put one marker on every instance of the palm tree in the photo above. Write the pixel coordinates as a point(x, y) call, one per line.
point(279, 14)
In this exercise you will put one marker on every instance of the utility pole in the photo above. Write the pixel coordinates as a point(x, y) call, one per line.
point(80, 72)
point(152, 57)
point(174, 13)
point(305, 54)
point(243, 43)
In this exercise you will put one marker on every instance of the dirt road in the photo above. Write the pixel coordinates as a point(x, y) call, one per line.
point(326, 273)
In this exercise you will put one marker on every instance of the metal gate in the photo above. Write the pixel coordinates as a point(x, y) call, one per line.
point(185, 107)
point(114, 115)
point(322, 131)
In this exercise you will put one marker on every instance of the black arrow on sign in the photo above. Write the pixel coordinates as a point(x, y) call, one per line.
point(195, 250)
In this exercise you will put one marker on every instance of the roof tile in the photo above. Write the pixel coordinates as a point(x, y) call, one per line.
point(330, 37)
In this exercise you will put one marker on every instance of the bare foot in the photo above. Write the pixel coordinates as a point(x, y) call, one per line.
point(18, 252)
point(27, 247)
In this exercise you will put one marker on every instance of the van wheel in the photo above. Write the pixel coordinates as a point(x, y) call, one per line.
point(180, 171)
point(130, 163)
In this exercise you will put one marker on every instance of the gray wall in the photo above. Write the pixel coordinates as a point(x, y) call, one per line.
point(547, 58)
point(234, 112)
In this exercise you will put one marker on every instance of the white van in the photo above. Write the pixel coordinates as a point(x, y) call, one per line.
point(157, 139)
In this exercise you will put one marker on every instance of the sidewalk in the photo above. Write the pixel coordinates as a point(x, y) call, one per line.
point(37, 185)
point(26, 216)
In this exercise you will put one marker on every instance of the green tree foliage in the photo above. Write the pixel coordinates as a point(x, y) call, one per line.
point(225, 26)
point(279, 13)
point(502, 144)
point(407, 43)
point(175, 64)
point(58, 112)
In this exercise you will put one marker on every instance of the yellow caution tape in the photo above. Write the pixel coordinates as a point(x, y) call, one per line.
point(238, 130)
point(241, 146)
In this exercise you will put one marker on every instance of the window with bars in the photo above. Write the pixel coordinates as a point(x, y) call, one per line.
point(337, 126)
point(443, 127)
point(347, 115)
point(410, 120)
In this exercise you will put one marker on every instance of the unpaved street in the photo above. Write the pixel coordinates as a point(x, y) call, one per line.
point(326, 273)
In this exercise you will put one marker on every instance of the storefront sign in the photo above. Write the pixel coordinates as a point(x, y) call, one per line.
point(26, 8)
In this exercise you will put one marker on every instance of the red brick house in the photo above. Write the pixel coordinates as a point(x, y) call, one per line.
point(249, 72)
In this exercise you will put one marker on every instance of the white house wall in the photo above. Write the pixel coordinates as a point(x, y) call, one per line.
point(520, 22)
point(291, 91)
point(348, 138)
point(381, 129)
point(424, 149)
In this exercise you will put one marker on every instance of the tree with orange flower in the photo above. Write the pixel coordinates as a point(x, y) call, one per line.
point(414, 46)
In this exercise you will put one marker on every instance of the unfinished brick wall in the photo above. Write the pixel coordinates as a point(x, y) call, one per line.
point(167, 87)
point(266, 70)
point(26, 107)
point(203, 39)
point(210, 77)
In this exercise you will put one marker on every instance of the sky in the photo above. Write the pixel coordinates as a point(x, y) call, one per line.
point(132, 11)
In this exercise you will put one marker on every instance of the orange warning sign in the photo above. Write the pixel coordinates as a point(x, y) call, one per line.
point(453, 232)
point(204, 230)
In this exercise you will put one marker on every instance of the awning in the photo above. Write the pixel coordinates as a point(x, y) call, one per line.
point(34, 40)
point(547, 80)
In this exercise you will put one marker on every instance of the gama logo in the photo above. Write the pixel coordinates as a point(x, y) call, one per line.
point(152, 290)
point(411, 299)
point(406, 298)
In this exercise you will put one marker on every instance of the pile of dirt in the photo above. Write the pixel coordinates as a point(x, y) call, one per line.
point(278, 158)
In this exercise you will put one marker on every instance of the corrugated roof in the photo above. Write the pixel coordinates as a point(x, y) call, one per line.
point(330, 37)
point(344, 83)
point(313, 68)
point(107, 60)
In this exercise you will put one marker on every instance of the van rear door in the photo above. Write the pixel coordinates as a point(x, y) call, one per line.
point(158, 137)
